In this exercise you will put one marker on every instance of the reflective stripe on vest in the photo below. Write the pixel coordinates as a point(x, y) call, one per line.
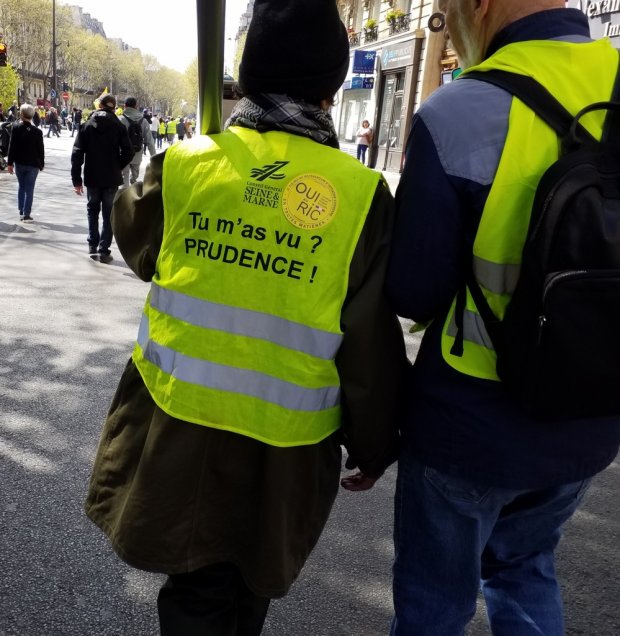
point(242, 324)
point(530, 148)
point(242, 381)
point(496, 277)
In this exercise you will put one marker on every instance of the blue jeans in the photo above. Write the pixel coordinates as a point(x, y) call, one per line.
point(451, 535)
point(361, 152)
point(100, 199)
point(26, 178)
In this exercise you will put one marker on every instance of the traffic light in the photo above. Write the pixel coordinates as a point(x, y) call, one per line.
point(65, 86)
point(3, 51)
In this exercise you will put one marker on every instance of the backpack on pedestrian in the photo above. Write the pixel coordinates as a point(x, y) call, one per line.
point(558, 345)
point(134, 129)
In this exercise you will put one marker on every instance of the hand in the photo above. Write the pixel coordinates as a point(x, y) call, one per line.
point(358, 482)
point(79, 189)
point(10, 169)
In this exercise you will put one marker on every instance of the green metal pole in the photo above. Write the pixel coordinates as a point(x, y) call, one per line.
point(210, 22)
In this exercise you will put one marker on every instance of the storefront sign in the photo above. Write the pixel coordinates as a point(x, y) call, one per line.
point(397, 55)
point(364, 62)
point(603, 16)
point(362, 82)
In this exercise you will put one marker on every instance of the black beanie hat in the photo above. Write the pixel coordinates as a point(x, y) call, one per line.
point(295, 47)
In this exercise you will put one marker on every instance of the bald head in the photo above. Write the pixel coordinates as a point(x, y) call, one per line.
point(472, 24)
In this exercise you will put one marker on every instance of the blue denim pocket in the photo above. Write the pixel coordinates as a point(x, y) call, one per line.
point(456, 488)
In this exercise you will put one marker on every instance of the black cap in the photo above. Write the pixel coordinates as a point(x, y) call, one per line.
point(107, 101)
point(295, 47)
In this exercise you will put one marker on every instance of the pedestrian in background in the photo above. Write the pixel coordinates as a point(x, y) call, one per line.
point(189, 129)
point(26, 158)
point(76, 121)
point(483, 487)
point(13, 111)
point(36, 118)
point(161, 132)
point(102, 145)
point(154, 126)
point(180, 128)
point(364, 139)
point(149, 119)
point(171, 129)
point(220, 457)
point(53, 123)
point(139, 130)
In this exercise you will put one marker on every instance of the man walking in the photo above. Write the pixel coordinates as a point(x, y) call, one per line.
point(483, 488)
point(76, 121)
point(139, 131)
point(27, 158)
point(171, 130)
point(53, 123)
point(181, 129)
point(103, 146)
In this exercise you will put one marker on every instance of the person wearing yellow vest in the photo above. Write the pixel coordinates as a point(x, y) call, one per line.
point(483, 490)
point(265, 341)
point(171, 130)
point(161, 132)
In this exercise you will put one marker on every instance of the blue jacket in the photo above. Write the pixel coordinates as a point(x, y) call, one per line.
point(456, 423)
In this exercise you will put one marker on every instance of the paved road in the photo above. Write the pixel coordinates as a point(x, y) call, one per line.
point(67, 326)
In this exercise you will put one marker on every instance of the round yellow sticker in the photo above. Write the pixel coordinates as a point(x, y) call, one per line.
point(309, 201)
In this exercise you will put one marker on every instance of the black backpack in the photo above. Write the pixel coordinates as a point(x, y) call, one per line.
point(135, 133)
point(558, 346)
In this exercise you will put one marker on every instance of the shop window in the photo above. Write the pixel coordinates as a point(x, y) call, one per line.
point(355, 108)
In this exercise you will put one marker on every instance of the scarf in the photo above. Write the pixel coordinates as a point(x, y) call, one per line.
point(266, 111)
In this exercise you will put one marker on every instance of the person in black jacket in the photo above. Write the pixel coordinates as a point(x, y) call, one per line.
point(26, 159)
point(76, 120)
point(103, 143)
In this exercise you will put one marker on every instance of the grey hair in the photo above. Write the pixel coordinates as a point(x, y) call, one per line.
point(26, 111)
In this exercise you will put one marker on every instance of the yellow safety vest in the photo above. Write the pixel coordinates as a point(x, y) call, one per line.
point(162, 127)
point(242, 324)
point(531, 147)
point(171, 127)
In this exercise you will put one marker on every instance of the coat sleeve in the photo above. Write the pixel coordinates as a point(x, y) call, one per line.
point(12, 143)
point(40, 150)
point(372, 360)
point(77, 157)
point(148, 137)
point(429, 233)
point(138, 220)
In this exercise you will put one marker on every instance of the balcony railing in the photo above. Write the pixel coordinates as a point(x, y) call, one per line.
point(371, 35)
point(400, 24)
point(354, 39)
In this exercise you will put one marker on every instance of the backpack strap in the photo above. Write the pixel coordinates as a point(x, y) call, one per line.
point(611, 130)
point(534, 95)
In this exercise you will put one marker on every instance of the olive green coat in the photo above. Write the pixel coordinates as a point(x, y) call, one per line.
point(174, 496)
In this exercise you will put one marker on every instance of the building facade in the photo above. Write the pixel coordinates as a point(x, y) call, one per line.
point(411, 61)
point(407, 68)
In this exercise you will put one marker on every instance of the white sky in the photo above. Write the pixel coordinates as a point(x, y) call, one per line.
point(165, 30)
